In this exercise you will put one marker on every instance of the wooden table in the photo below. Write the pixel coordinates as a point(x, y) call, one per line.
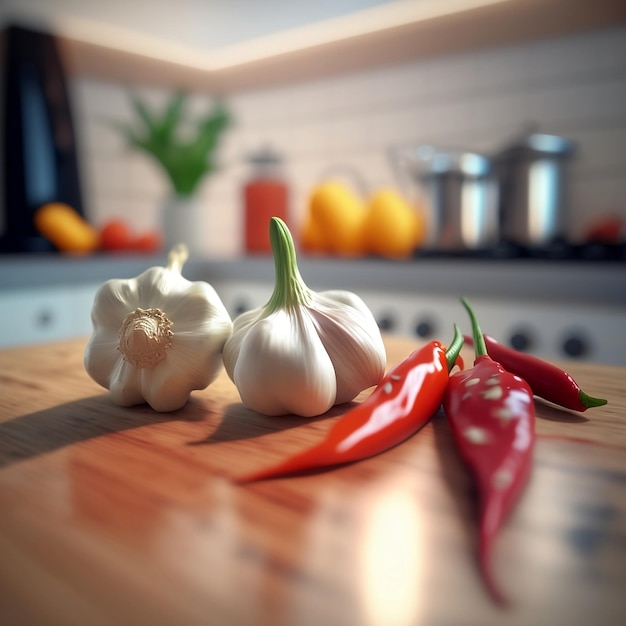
point(124, 516)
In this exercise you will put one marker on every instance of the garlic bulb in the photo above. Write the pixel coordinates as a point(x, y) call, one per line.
point(156, 337)
point(303, 351)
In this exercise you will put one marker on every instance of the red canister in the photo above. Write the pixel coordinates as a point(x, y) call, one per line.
point(265, 196)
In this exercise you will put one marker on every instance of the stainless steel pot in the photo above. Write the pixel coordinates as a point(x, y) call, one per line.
point(459, 192)
point(533, 184)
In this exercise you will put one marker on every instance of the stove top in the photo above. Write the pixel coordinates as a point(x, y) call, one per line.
point(558, 250)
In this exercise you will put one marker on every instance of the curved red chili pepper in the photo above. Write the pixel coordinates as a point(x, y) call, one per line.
point(492, 417)
point(404, 400)
point(546, 380)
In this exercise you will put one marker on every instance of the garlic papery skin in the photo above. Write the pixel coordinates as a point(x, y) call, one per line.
point(302, 352)
point(295, 376)
point(156, 337)
point(352, 339)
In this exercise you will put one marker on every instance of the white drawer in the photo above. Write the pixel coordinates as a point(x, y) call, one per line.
point(39, 315)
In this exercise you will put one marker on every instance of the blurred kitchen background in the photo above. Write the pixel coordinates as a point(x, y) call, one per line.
point(332, 87)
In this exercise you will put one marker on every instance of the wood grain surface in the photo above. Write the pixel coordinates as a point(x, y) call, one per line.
point(123, 516)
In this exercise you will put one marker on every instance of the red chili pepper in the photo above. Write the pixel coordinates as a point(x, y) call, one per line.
point(546, 380)
point(404, 400)
point(492, 416)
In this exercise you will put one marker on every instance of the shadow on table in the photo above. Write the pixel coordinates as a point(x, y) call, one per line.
point(48, 430)
point(240, 423)
point(455, 473)
point(553, 413)
point(44, 431)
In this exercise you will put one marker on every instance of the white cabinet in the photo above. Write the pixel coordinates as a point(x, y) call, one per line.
point(37, 315)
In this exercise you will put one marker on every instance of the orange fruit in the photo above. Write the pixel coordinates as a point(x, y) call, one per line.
point(337, 214)
point(392, 227)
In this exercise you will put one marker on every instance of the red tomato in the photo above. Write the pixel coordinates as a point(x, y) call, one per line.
point(607, 230)
point(115, 235)
point(148, 242)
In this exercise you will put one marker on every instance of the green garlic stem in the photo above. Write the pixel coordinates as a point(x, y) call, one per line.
point(289, 288)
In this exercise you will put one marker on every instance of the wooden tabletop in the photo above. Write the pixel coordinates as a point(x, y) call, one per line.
point(122, 516)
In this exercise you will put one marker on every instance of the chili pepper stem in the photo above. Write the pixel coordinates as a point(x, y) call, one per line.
point(589, 401)
point(480, 347)
point(454, 349)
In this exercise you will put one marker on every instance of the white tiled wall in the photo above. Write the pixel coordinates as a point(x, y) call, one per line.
point(574, 86)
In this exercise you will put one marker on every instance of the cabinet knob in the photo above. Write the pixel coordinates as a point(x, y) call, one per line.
point(386, 322)
point(241, 307)
point(575, 346)
point(425, 328)
point(521, 340)
point(44, 318)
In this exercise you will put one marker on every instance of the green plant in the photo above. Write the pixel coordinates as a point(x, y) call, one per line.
point(186, 161)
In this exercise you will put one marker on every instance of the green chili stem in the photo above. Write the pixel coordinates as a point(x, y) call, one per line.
point(589, 401)
point(452, 353)
point(289, 288)
point(480, 348)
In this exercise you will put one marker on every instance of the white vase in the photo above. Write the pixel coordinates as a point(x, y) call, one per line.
point(184, 221)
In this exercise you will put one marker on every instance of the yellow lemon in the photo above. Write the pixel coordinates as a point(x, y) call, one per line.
point(311, 237)
point(336, 215)
point(392, 227)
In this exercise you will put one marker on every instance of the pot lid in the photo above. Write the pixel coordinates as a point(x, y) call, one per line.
point(541, 144)
point(430, 159)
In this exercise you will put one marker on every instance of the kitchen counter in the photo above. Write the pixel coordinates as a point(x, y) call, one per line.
point(113, 515)
point(551, 302)
point(597, 282)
